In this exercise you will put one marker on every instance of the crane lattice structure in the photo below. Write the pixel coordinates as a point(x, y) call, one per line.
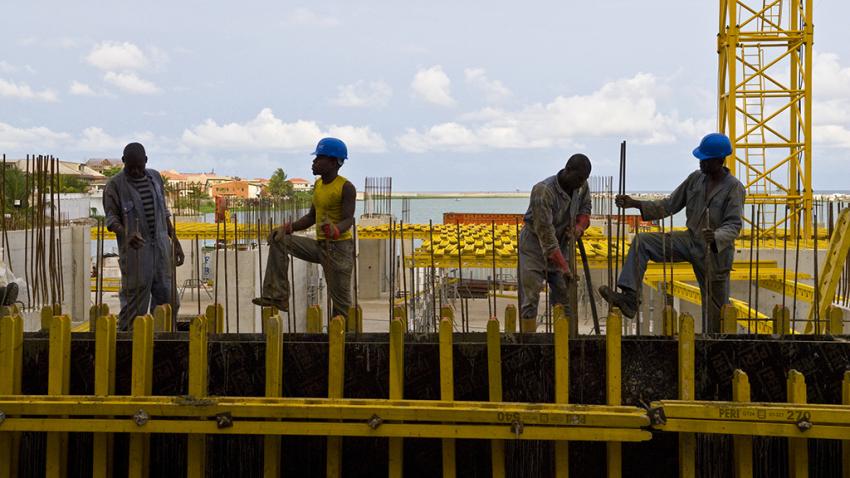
point(764, 106)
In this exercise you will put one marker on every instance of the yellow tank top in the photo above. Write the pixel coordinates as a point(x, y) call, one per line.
point(327, 200)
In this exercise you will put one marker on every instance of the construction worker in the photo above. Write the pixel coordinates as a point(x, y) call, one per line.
point(134, 202)
point(713, 200)
point(558, 213)
point(332, 211)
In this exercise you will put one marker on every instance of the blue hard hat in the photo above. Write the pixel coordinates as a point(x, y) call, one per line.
point(713, 145)
point(332, 147)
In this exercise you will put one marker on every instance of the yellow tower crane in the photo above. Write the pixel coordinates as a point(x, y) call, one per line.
point(764, 106)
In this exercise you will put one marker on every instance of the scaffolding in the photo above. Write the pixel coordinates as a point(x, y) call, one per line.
point(764, 106)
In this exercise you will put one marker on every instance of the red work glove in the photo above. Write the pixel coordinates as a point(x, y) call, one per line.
point(330, 231)
point(582, 223)
point(558, 258)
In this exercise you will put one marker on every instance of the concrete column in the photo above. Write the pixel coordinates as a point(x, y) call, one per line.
point(75, 274)
point(372, 260)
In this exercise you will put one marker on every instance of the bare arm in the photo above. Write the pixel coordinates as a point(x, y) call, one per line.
point(305, 221)
point(349, 200)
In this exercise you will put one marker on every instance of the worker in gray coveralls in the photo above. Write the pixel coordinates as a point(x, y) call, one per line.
point(558, 213)
point(713, 200)
point(134, 202)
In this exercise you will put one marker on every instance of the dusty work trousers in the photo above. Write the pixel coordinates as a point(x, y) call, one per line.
point(679, 247)
point(145, 283)
point(337, 261)
point(534, 270)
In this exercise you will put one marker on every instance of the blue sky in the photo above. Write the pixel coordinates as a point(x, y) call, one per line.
point(440, 95)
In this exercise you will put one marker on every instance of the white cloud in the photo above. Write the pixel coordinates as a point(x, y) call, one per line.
point(94, 140)
point(830, 79)
point(14, 139)
point(55, 42)
point(624, 108)
point(117, 56)
point(267, 132)
point(433, 86)
point(362, 94)
point(832, 135)
point(6, 67)
point(493, 90)
point(131, 83)
point(304, 17)
point(80, 89)
point(24, 91)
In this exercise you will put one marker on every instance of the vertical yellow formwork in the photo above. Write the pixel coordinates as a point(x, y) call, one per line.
point(314, 319)
point(104, 385)
point(687, 441)
point(562, 387)
point(11, 356)
point(274, 388)
point(196, 459)
point(396, 445)
point(336, 377)
point(613, 375)
point(670, 321)
point(58, 383)
point(742, 446)
point(781, 320)
point(399, 312)
point(355, 319)
point(845, 444)
point(729, 320)
point(141, 385)
point(447, 393)
point(494, 379)
point(835, 320)
point(510, 319)
point(798, 448)
point(215, 318)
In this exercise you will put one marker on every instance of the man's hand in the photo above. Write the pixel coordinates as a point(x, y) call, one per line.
point(179, 257)
point(558, 259)
point(330, 231)
point(708, 236)
point(137, 241)
point(625, 201)
point(278, 232)
point(582, 223)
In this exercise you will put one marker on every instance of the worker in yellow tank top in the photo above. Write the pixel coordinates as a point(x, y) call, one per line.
point(327, 200)
point(332, 213)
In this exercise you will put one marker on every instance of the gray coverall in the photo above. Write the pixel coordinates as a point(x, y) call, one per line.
point(145, 272)
point(725, 205)
point(337, 263)
point(549, 223)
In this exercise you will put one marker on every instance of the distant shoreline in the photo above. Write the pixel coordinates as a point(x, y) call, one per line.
point(453, 195)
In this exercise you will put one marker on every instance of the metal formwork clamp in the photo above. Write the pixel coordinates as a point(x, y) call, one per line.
point(517, 427)
point(141, 418)
point(375, 421)
point(224, 420)
point(2, 417)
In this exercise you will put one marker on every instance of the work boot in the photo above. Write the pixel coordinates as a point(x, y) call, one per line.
point(626, 301)
point(9, 294)
point(280, 305)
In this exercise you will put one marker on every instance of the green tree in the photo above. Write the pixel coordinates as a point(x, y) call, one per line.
point(72, 184)
point(278, 185)
point(109, 172)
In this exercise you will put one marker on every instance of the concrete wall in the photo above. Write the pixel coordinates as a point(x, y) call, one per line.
point(74, 274)
point(250, 286)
